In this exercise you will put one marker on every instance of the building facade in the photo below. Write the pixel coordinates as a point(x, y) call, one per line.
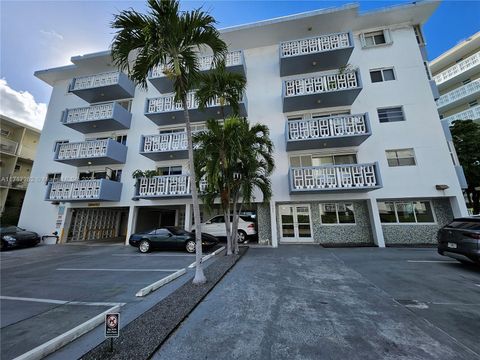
point(359, 151)
point(18, 144)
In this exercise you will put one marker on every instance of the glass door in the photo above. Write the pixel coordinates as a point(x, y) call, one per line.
point(295, 225)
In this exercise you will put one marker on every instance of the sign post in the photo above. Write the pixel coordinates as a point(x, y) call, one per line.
point(112, 327)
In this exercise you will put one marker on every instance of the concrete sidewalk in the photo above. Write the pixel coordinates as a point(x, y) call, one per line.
point(304, 302)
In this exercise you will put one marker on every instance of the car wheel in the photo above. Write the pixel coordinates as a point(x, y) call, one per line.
point(190, 246)
point(242, 236)
point(144, 246)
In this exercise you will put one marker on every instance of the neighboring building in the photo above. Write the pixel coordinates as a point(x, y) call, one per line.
point(457, 75)
point(359, 151)
point(18, 144)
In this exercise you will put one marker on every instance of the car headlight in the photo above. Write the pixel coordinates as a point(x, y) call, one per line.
point(9, 238)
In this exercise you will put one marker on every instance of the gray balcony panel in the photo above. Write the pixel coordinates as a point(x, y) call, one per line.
point(308, 63)
point(88, 153)
point(119, 119)
point(320, 100)
point(166, 155)
point(123, 88)
point(84, 190)
point(325, 143)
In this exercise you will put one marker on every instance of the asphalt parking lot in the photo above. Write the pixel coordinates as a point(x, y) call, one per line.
point(48, 290)
point(307, 302)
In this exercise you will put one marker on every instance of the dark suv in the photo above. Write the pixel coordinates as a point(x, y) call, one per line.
point(461, 240)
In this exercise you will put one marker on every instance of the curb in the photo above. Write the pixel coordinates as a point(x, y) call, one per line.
point(206, 257)
point(152, 287)
point(56, 343)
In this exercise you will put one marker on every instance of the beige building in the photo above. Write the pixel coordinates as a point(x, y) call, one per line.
point(457, 75)
point(18, 144)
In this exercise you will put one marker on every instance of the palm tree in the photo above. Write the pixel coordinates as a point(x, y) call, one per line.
point(221, 141)
point(174, 39)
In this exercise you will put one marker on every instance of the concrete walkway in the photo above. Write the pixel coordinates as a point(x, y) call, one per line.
point(304, 302)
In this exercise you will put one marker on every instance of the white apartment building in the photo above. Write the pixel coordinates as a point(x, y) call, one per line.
point(359, 151)
point(18, 143)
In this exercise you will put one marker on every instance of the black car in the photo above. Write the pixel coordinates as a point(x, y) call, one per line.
point(13, 236)
point(461, 240)
point(169, 237)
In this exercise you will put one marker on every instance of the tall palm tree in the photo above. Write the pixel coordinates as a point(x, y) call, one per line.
point(167, 36)
point(221, 140)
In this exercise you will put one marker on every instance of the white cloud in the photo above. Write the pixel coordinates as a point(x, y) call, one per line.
point(52, 34)
point(21, 106)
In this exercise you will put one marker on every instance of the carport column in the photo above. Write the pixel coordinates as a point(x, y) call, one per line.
point(459, 208)
point(375, 223)
point(132, 220)
point(188, 217)
point(273, 222)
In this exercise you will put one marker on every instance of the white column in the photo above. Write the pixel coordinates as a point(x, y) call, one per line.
point(132, 220)
point(273, 222)
point(459, 208)
point(188, 217)
point(375, 223)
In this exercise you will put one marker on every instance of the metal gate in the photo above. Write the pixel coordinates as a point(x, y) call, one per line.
point(94, 224)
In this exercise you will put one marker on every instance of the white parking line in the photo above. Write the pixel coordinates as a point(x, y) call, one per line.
point(134, 270)
point(431, 261)
point(60, 302)
point(150, 255)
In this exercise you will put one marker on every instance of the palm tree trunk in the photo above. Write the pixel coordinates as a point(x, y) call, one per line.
point(199, 275)
point(236, 214)
point(226, 216)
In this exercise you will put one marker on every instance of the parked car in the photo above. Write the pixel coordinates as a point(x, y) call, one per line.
point(461, 240)
point(216, 227)
point(13, 236)
point(169, 237)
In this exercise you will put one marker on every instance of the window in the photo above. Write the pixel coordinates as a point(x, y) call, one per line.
point(473, 103)
point(467, 81)
point(320, 160)
point(337, 213)
point(419, 34)
point(171, 131)
point(401, 157)
point(170, 170)
point(109, 174)
point(382, 75)
point(18, 167)
point(405, 212)
point(375, 38)
point(5, 132)
point(126, 104)
point(390, 114)
point(58, 143)
point(122, 139)
point(53, 177)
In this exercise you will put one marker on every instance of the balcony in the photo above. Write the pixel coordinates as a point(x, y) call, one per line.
point(96, 152)
point(234, 62)
point(458, 72)
point(327, 132)
point(339, 178)
point(108, 86)
point(461, 95)
point(84, 190)
point(167, 186)
point(470, 114)
point(8, 146)
point(321, 91)
point(315, 54)
point(161, 147)
point(97, 118)
point(165, 111)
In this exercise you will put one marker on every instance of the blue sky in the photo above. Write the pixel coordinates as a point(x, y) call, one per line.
point(43, 34)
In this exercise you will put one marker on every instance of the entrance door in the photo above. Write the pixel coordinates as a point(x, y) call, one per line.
point(295, 225)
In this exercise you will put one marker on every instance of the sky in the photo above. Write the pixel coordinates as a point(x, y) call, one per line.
point(36, 35)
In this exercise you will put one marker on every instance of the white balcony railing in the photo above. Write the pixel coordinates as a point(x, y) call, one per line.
point(334, 177)
point(321, 84)
point(459, 93)
point(89, 113)
point(232, 58)
point(97, 80)
point(75, 190)
point(470, 114)
point(8, 146)
point(314, 45)
point(166, 103)
point(327, 127)
point(83, 150)
point(167, 185)
point(165, 142)
point(457, 69)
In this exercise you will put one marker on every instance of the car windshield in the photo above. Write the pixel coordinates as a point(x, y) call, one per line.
point(10, 229)
point(176, 231)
